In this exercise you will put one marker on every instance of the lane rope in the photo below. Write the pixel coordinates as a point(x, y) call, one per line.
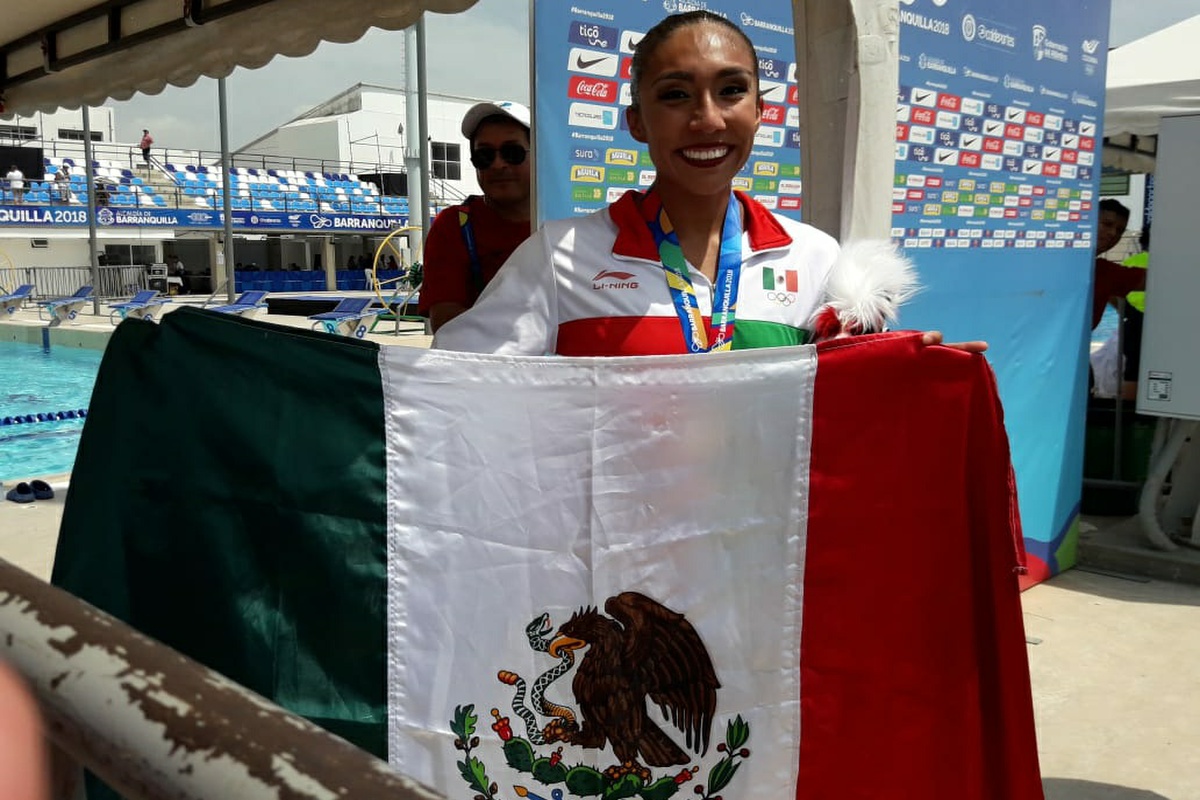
point(45, 416)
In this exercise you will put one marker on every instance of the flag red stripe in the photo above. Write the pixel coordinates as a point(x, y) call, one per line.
point(914, 675)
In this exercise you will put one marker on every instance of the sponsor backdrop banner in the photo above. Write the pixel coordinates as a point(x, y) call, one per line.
point(998, 145)
point(583, 51)
point(116, 218)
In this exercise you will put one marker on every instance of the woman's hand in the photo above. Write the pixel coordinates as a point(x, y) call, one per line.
point(935, 337)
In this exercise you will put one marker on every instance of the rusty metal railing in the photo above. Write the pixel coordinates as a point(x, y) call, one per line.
point(154, 724)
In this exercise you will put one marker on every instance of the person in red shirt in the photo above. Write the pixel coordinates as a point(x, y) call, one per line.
point(1111, 279)
point(145, 143)
point(468, 243)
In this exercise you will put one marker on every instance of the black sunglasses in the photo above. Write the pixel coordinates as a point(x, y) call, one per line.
point(513, 154)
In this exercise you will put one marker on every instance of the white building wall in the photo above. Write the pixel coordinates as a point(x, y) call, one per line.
point(16, 250)
point(67, 248)
point(309, 139)
point(372, 137)
point(54, 125)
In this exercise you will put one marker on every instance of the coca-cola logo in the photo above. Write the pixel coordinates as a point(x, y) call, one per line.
point(774, 115)
point(585, 88)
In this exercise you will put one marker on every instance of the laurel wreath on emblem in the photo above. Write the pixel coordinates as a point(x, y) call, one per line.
point(645, 651)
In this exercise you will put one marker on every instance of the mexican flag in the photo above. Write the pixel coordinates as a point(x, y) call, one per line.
point(772, 573)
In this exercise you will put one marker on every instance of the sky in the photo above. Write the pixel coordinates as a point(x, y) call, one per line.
point(263, 99)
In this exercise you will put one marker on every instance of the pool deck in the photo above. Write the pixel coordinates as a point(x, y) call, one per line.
point(1110, 653)
point(92, 331)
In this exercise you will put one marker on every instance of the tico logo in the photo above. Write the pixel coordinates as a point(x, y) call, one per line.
point(591, 35)
point(581, 88)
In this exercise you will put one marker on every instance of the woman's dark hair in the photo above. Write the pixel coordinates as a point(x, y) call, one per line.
point(665, 29)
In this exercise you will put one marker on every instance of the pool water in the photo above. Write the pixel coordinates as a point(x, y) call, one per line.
point(35, 381)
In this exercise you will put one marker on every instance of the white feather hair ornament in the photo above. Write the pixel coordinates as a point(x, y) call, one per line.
point(867, 284)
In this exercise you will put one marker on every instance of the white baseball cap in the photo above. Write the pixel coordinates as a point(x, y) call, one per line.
point(481, 111)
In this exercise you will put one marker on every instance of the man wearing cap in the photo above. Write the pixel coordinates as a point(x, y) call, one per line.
point(468, 243)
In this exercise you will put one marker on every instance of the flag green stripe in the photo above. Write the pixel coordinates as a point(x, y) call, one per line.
point(251, 455)
point(749, 334)
point(768, 279)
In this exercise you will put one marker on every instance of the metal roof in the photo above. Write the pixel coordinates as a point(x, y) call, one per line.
point(65, 53)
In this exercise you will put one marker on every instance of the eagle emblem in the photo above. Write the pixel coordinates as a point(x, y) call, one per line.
point(641, 653)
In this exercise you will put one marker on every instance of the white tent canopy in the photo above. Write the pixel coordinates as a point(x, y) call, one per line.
point(1151, 78)
point(64, 53)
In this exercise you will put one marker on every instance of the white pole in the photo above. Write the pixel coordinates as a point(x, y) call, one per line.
point(226, 186)
point(93, 261)
point(412, 129)
point(423, 105)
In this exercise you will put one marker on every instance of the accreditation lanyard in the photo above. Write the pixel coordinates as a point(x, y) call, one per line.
point(725, 288)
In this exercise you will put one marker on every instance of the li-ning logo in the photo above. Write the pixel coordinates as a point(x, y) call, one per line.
point(612, 279)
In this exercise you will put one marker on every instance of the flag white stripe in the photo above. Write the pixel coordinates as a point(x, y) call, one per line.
point(523, 485)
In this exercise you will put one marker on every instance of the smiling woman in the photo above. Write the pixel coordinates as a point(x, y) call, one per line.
point(698, 267)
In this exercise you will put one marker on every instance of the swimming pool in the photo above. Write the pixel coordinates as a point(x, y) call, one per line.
point(35, 381)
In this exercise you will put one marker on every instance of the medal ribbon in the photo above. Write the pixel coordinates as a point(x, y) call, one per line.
point(725, 288)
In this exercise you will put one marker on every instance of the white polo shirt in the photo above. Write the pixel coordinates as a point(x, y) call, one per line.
point(594, 286)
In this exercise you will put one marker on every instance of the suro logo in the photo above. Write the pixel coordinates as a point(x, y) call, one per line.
point(968, 27)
